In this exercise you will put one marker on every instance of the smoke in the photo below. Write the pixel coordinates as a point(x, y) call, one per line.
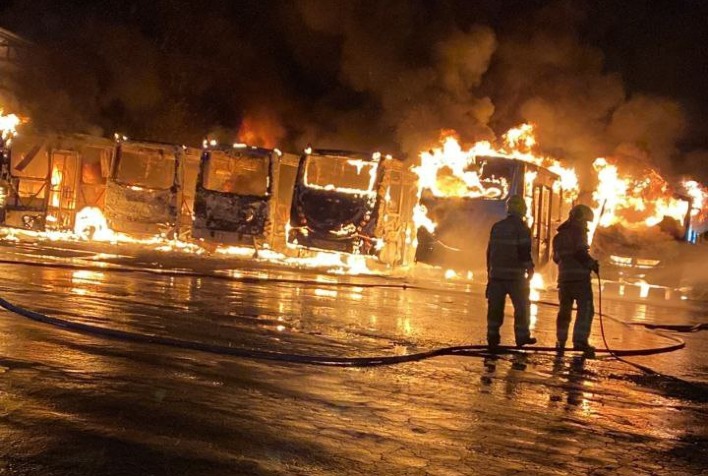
point(366, 75)
point(261, 129)
point(8, 102)
point(545, 74)
point(418, 77)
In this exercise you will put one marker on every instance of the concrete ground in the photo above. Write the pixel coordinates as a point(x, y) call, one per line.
point(75, 404)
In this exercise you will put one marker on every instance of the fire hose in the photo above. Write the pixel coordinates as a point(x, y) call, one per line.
point(613, 353)
point(466, 350)
point(372, 361)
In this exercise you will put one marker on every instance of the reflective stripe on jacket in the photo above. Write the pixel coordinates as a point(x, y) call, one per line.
point(571, 252)
point(509, 249)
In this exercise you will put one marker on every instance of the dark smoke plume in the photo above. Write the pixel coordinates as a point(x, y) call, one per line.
point(360, 74)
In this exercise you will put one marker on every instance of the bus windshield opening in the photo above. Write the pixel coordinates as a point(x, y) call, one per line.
point(146, 168)
point(342, 174)
point(240, 175)
point(487, 178)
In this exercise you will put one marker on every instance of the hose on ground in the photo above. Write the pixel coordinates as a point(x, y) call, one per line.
point(618, 355)
point(467, 350)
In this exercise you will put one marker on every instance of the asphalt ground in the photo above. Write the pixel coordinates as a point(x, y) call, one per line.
point(82, 404)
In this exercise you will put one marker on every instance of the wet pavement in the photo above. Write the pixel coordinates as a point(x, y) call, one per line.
point(83, 404)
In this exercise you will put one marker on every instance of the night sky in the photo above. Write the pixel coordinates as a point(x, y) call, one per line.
point(622, 78)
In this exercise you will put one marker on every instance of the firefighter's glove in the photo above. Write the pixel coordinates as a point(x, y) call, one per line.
point(529, 273)
point(595, 266)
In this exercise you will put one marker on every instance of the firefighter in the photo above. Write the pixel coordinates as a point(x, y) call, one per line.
point(571, 253)
point(509, 270)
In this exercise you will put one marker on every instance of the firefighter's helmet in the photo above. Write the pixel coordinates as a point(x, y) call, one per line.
point(582, 213)
point(516, 206)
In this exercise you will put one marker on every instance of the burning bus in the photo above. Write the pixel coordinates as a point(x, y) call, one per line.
point(459, 209)
point(645, 230)
point(47, 178)
point(145, 193)
point(237, 196)
point(353, 203)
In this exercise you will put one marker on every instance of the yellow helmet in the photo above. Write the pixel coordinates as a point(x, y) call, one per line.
point(582, 213)
point(516, 206)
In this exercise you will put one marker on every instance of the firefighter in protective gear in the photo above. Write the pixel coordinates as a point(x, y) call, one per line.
point(509, 270)
point(571, 253)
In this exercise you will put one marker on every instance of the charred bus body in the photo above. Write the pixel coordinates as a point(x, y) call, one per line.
point(237, 193)
point(144, 192)
point(47, 178)
point(353, 203)
point(460, 238)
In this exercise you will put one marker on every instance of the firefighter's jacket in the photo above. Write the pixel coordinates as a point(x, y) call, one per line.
point(509, 249)
point(571, 252)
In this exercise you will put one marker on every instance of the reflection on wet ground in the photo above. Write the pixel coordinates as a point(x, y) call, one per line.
point(79, 404)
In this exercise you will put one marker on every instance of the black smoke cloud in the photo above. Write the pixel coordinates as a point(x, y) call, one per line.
point(417, 77)
point(360, 74)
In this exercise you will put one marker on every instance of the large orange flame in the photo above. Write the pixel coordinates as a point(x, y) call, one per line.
point(8, 125)
point(262, 130)
point(448, 171)
point(636, 201)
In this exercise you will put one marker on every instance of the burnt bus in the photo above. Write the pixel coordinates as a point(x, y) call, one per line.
point(145, 188)
point(188, 175)
point(236, 195)
point(45, 179)
point(353, 203)
point(460, 238)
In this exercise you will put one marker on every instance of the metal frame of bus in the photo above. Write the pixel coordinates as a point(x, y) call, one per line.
point(55, 177)
point(385, 228)
point(472, 218)
point(140, 209)
point(233, 217)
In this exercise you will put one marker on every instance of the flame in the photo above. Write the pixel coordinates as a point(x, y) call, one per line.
point(637, 201)
point(448, 171)
point(8, 125)
point(91, 224)
point(421, 219)
point(537, 285)
point(443, 171)
point(529, 179)
point(372, 168)
point(450, 274)
point(56, 179)
point(697, 193)
point(261, 129)
point(520, 138)
point(336, 263)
